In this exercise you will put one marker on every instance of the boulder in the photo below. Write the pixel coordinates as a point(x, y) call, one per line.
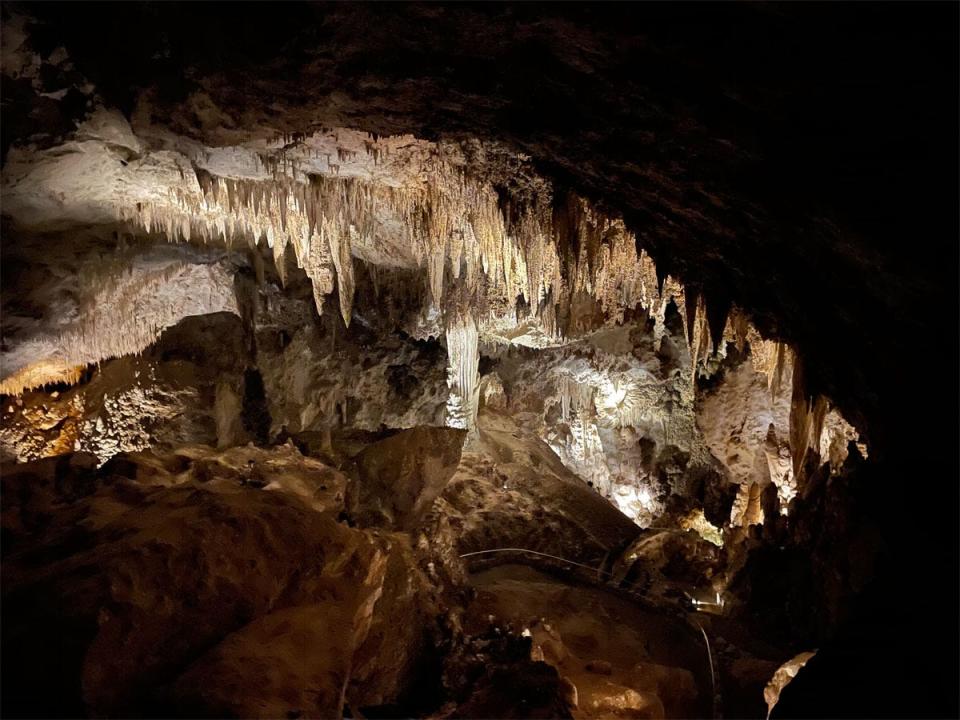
point(399, 478)
point(205, 583)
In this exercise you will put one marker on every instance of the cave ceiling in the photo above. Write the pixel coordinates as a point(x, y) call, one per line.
point(680, 280)
point(801, 180)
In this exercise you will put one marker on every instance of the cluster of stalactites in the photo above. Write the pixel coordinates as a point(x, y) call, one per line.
point(770, 357)
point(806, 421)
point(452, 226)
point(37, 375)
point(575, 397)
point(128, 313)
point(708, 333)
point(132, 309)
point(454, 229)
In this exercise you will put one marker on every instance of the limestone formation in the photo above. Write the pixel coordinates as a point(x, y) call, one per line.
point(475, 361)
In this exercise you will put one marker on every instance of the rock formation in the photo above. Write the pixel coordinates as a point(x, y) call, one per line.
point(382, 363)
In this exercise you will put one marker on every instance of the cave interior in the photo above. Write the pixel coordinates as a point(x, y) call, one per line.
point(484, 361)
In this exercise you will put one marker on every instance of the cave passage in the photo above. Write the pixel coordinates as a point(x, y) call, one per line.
point(345, 372)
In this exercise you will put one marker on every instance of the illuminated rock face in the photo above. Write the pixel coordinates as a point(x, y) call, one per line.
point(420, 226)
point(746, 426)
point(192, 385)
point(101, 303)
point(540, 271)
point(617, 402)
point(633, 263)
point(609, 405)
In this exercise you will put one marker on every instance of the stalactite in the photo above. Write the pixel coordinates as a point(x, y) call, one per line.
point(41, 373)
point(436, 261)
point(770, 357)
point(343, 263)
point(781, 362)
point(563, 265)
point(718, 313)
point(699, 332)
point(671, 291)
point(575, 397)
point(557, 256)
point(738, 328)
point(690, 295)
point(806, 420)
point(463, 376)
point(127, 314)
point(447, 216)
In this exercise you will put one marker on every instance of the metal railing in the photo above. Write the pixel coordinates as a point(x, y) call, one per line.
point(598, 571)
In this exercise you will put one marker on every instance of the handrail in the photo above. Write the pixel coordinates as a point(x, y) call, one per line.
point(541, 554)
point(713, 679)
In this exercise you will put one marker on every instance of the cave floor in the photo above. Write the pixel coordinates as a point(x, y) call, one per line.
point(622, 660)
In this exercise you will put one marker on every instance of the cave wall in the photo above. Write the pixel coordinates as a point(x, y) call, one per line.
point(808, 182)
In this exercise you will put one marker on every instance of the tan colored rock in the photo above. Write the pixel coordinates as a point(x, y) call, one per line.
point(511, 490)
point(782, 677)
point(226, 567)
point(296, 661)
point(647, 667)
point(600, 667)
point(400, 477)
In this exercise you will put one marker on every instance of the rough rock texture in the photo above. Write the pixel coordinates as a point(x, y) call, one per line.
point(187, 581)
point(319, 374)
point(746, 426)
point(616, 408)
point(793, 568)
point(495, 677)
point(511, 491)
point(668, 565)
point(782, 677)
point(399, 478)
point(273, 370)
point(72, 301)
point(196, 384)
point(794, 163)
point(647, 668)
point(268, 368)
point(686, 144)
point(202, 582)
